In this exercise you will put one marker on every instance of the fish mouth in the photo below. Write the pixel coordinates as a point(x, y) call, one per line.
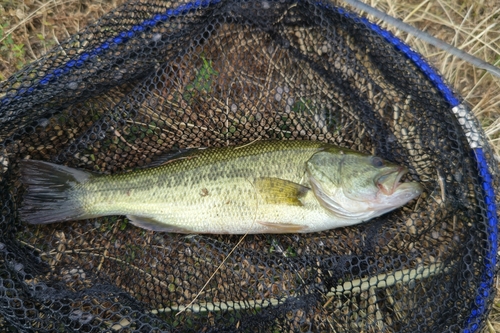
point(385, 186)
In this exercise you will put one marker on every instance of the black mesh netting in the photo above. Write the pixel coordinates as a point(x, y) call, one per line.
point(154, 77)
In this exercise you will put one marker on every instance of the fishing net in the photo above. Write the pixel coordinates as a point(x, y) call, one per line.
point(155, 77)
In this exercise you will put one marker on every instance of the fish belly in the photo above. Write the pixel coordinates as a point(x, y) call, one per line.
point(223, 206)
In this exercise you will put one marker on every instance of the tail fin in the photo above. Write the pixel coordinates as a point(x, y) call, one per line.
point(50, 195)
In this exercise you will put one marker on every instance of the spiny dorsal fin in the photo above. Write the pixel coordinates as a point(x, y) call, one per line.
point(173, 156)
point(280, 191)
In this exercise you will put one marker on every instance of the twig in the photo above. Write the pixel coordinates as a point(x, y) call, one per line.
point(190, 305)
point(491, 329)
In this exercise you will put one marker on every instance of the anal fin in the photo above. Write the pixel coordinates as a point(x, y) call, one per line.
point(280, 191)
point(150, 223)
point(282, 228)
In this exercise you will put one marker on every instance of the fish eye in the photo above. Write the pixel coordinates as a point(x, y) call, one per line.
point(377, 162)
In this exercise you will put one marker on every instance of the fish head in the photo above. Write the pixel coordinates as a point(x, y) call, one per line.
point(356, 186)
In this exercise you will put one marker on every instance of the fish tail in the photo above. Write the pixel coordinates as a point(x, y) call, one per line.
point(50, 195)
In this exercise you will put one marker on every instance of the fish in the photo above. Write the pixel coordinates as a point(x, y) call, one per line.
point(260, 187)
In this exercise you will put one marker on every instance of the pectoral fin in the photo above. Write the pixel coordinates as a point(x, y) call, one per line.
point(283, 228)
point(280, 191)
point(155, 225)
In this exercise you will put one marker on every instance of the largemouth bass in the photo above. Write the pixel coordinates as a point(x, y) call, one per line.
point(262, 187)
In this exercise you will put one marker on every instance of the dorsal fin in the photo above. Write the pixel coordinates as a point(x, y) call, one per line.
point(173, 156)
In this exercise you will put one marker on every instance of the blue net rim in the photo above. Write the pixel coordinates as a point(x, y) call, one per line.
point(479, 309)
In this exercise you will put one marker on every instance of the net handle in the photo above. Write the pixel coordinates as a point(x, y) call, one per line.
point(493, 70)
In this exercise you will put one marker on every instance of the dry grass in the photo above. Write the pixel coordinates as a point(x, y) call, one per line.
point(472, 26)
point(29, 28)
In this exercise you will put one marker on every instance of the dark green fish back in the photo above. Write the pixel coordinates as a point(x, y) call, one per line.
point(272, 157)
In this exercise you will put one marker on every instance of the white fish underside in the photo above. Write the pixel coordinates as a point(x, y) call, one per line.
point(233, 207)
